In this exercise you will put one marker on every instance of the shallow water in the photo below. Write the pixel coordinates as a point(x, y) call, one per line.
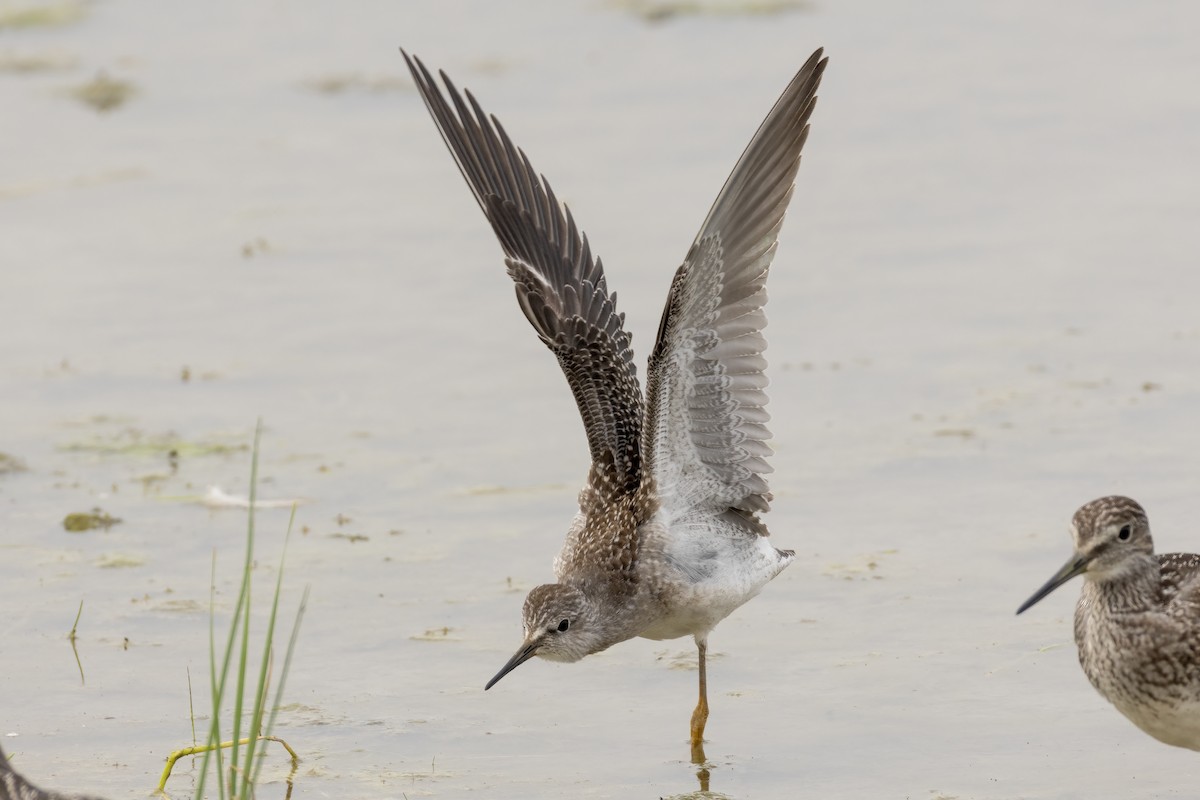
point(982, 315)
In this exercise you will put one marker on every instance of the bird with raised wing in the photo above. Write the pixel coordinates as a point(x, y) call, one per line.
point(667, 541)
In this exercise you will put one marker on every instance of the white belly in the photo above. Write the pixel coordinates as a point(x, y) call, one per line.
point(1177, 725)
point(710, 568)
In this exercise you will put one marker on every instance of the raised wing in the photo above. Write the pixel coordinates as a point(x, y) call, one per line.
point(706, 427)
point(560, 286)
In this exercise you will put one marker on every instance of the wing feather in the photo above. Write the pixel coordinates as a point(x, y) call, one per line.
point(560, 285)
point(705, 433)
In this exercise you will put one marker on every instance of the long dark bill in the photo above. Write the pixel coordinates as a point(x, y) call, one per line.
point(1077, 565)
point(526, 652)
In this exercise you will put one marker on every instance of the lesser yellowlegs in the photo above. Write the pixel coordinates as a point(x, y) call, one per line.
point(1137, 623)
point(667, 541)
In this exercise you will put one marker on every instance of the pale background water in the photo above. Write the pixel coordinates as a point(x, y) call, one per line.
point(983, 313)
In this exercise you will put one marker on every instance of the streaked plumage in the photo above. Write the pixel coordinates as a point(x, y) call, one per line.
point(667, 540)
point(1137, 623)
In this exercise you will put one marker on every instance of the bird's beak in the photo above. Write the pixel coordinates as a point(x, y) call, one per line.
point(1077, 565)
point(527, 651)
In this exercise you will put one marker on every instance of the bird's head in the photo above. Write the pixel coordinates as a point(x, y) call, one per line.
point(559, 624)
point(1111, 536)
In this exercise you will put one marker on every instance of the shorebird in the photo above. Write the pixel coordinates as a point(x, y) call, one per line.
point(1137, 623)
point(14, 786)
point(667, 541)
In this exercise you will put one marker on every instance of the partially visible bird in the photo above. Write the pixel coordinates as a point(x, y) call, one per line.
point(667, 541)
point(1137, 623)
point(14, 786)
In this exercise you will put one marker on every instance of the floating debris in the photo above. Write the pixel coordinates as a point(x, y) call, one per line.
point(662, 10)
point(435, 635)
point(29, 64)
point(119, 561)
point(151, 480)
point(356, 81)
point(10, 464)
point(89, 520)
point(491, 489)
point(216, 497)
point(103, 93)
point(683, 659)
point(864, 567)
point(181, 606)
point(80, 181)
point(133, 442)
point(955, 433)
point(259, 247)
point(494, 65)
point(48, 15)
point(186, 374)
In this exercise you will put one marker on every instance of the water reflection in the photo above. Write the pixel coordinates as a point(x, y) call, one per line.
point(703, 779)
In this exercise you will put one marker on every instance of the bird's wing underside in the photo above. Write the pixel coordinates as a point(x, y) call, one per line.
point(706, 424)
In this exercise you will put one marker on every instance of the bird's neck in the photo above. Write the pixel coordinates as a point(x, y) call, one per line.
point(1134, 588)
point(619, 615)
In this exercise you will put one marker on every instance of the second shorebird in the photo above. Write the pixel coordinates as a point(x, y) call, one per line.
point(667, 541)
point(1137, 623)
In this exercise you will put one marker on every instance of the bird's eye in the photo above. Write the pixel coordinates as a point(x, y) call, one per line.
point(1124, 533)
point(562, 626)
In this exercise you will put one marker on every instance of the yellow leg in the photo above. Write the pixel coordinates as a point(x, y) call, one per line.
point(700, 715)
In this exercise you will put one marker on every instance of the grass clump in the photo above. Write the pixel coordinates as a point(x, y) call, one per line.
point(232, 681)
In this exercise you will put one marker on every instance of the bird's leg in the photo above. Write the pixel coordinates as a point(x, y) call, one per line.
point(700, 715)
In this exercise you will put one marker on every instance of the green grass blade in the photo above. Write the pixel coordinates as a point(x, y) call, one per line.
point(264, 670)
point(219, 680)
point(237, 773)
point(262, 686)
point(239, 696)
point(287, 664)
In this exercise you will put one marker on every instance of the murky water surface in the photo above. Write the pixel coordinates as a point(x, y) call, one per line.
point(983, 313)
